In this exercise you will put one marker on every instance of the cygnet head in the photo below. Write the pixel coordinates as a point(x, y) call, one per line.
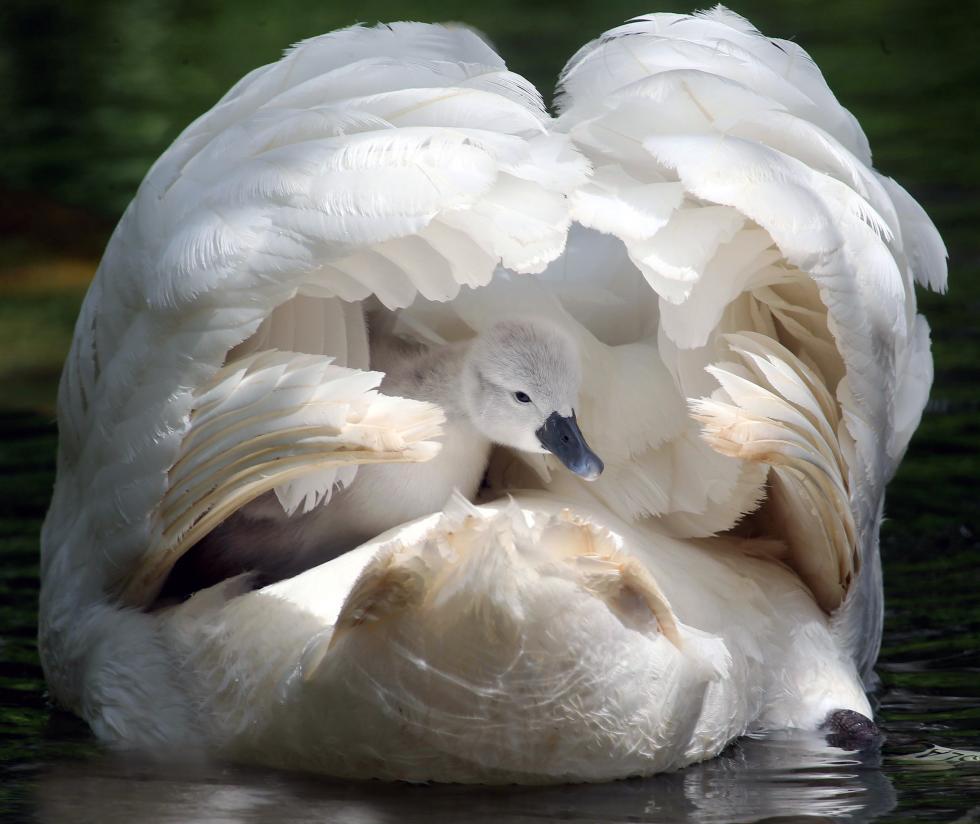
point(521, 381)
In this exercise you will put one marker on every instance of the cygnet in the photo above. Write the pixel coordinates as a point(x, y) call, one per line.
point(516, 384)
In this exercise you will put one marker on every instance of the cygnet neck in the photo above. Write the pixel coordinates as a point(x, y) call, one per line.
point(433, 375)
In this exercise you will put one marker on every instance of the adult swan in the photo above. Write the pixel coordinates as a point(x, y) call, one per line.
point(703, 221)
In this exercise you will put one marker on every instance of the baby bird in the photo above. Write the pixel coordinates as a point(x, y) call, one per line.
point(516, 385)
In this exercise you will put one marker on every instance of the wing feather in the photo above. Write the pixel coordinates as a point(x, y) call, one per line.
point(394, 161)
point(295, 423)
point(803, 313)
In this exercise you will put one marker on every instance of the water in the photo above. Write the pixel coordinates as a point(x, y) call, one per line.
point(90, 93)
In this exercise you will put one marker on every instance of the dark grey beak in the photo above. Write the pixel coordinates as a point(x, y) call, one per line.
point(562, 437)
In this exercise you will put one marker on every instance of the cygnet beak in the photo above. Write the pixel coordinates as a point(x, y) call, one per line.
point(562, 437)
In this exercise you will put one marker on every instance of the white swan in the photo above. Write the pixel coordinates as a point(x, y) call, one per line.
point(515, 385)
point(702, 218)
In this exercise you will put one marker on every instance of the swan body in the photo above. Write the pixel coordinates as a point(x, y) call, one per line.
point(511, 642)
point(701, 220)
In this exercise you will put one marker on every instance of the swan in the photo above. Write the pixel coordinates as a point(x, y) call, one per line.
point(701, 218)
point(515, 385)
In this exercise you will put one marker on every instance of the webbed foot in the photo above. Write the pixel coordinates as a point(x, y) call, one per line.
point(850, 730)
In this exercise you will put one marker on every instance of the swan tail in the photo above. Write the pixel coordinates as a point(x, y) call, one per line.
point(283, 421)
point(513, 641)
point(474, 572)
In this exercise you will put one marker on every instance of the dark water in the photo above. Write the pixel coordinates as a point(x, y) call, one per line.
point(90, 93)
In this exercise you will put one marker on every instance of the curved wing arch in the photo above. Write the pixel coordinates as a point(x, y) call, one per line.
point(734, 252)
point(784, 267)
point(394, 161)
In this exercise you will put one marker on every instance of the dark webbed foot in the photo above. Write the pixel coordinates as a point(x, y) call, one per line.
point(850, 730)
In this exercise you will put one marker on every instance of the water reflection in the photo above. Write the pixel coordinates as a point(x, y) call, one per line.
point(783, 776)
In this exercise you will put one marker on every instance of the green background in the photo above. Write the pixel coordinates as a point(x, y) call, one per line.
point(91, 92)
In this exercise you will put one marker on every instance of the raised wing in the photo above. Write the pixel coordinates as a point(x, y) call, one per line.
point(743, 192)
point(394, 161)
point(275, 420)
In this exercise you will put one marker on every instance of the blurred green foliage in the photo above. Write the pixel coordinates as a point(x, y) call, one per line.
point(91, 91)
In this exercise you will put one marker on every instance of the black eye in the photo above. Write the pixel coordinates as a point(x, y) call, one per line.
point(522, 397)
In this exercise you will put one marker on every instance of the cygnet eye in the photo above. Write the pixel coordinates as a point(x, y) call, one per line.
point(522, 397)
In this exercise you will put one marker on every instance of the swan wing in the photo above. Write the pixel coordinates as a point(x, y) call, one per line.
point(394, 161)
point(784, 269)
point(261, 423)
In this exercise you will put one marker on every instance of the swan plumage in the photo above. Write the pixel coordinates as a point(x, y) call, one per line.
point(701, 219)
